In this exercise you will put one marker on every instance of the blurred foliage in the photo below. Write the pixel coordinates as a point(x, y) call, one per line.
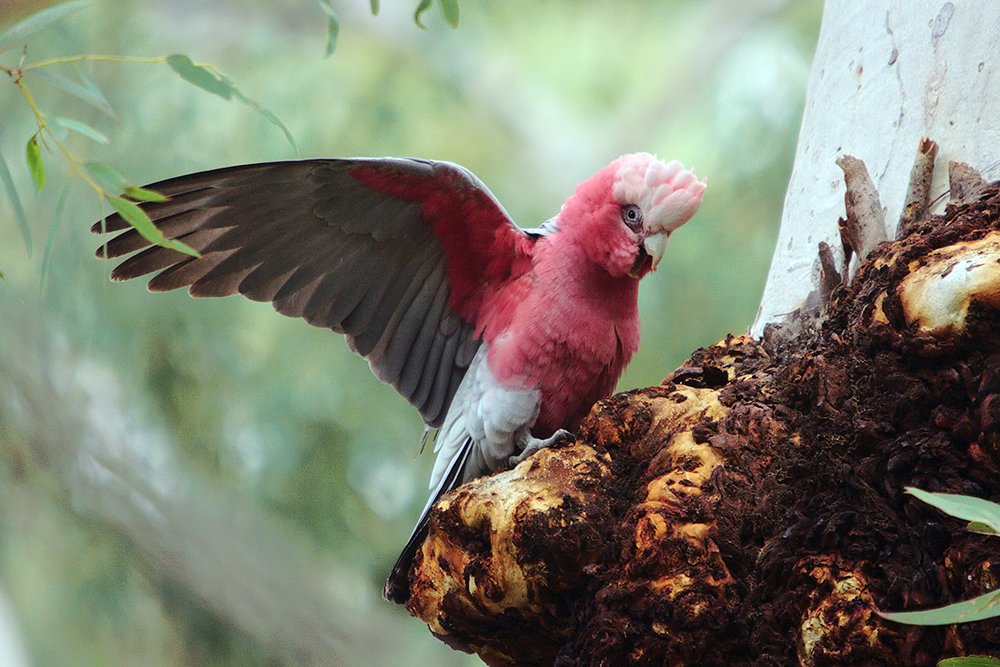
point(279, 415)
point(52, 131)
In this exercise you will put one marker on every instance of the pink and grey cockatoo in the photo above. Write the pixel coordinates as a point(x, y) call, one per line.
point(501, 337)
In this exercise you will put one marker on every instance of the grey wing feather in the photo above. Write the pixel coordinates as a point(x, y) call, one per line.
point(319, 245)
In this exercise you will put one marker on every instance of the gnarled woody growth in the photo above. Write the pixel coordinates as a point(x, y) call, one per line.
point(750, 510)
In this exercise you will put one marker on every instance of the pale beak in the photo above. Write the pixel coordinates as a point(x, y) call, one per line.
point(655, 244)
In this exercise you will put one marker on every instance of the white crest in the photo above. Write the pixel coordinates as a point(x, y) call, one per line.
point(667, 192)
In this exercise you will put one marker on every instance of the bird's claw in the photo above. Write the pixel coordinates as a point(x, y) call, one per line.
point(531, 445)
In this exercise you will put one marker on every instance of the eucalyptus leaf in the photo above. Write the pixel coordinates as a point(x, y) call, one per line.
point(82, 129)
point(962, 507)
point(200, 76)
point(332, 32)
point(375, 6)
point(57, 130)
point(33, 155)
point(981, 528)
point(267, 115)
point(17, 34)
point(15, 202)
point(421, 8)
point(51, 236)
point(107, 177)
point(135, 216)
point(85, 91)
point(970, 661)
point(136, 193)
point(332, 27)
point(977, 609)
point(224, 87)
point(449, 10)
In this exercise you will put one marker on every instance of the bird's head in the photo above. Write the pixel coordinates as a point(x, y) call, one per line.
point(624, 214)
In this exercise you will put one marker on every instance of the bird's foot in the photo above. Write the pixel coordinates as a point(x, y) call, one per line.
point(530, 444)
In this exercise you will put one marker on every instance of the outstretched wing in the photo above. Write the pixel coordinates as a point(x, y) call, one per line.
point(397, 254)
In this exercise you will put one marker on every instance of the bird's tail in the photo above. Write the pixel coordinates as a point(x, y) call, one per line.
point(397, 586)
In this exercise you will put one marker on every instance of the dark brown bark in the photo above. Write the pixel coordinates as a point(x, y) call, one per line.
point(751, 510)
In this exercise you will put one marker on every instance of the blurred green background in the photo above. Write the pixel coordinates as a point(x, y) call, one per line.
point(205, 482)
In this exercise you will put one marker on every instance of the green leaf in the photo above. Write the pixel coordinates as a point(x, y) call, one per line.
point(421, 8)
point(200, 76)
point(136, 193)
point(15, 202)
point(135, 216)
point(50, 238)
point(268, 116)
point(110, 180)
point(223, 86)
point(56, 130)
point(80, 128)
point(449, 10)
point(970, 661)
point(977, 609)
point(962, 507)
point(981, 528)
point(33, 154)
point(332, 27)
point(375, 6)
point(86, 92)
point(17, 34)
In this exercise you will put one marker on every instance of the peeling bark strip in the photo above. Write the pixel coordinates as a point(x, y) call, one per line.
point(918, 193)
point(864, 227)
point(750, 510)
point(829, 278)
point(965, 183)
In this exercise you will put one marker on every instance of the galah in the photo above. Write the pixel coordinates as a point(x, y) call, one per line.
point(501, 337)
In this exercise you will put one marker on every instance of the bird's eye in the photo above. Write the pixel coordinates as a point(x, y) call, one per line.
point(632, 217)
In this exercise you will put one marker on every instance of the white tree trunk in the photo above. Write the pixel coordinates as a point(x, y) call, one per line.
point(885, 74)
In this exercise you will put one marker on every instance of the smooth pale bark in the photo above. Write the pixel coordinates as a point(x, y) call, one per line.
point(885, 74)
